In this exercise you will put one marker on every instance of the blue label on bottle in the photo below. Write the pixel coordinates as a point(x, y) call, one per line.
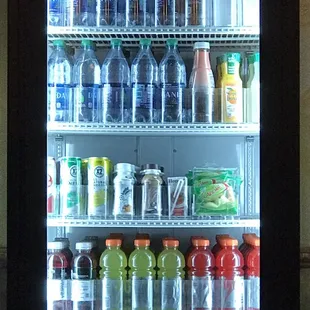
point(87, 103)
point(143, 95)
point(116, 103)
point(58, 103)
point(54, 6)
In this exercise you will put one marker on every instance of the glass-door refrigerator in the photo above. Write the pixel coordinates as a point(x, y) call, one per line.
point(149, 153)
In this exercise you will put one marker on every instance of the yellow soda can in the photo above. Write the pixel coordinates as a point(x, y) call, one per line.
point(99, 174)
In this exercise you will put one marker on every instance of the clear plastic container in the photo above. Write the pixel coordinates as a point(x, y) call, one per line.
point(172, 74)
point(227, 13)
point(202, 85)
point(144, 79)
point(199, 13)
point(59, 13)
point(251, 13)
point(151, 190)
point(140, 13)
point(86, 13)
point(87, 81)
point(115, 77)
point(108, 12)
point(59, 84)
point(124, 183)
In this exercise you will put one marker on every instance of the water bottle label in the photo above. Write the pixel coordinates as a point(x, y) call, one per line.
point(87, 103)
point(172, 102)
point(201, 293)
point(58, 103)
point(85, 6)
point(83, 290)
point(253, 294)
point(172, 294)
point(229, 294)
point(123, 197)
point(112, 294)
point(116, 103)
point(143, 95)
point(54, 6)
point(142, 293)
point(57, 290)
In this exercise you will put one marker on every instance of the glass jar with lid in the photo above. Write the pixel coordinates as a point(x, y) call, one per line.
point(124, 182)
point(152, 182)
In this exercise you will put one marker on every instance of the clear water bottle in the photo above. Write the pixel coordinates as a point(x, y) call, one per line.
point(122, 13)
point(172, 73)
point(86, 82)
point(59, 84)
point(202, 85)
point(165, 12)
point(140, 13)
point(108, 12)
point(115, 78)
point(59, 13)
point(227, 13)
point(86, 13)
point(199, 13)
point(144, 78)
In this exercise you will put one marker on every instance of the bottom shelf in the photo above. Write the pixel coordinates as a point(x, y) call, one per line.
point(199, 222)
point(178, 294)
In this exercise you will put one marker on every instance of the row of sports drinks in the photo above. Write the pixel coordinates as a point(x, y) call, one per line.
point(90, 186)
point(150, 13)
point(200, 264)
point(148, 93)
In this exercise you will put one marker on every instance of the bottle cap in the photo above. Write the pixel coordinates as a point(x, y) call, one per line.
point(116, 42)
point(59, 43)
point(113, 242)
point(65, 241)
point(172, 42)
point(254, 241)
point(116, 236)
point(124, 167)
point(142, 242)
point(56, 245)
point(147, 42)
point(228, 242)
point(142, 236)
point(221, 59)
point(152, 167)
point(218, 237)
point(170, 242)
point(196, 237)
point(201, 242)
point(254, 58)
point(83, 245)
point(202, 45)
point(88, 43)
point(246, 237)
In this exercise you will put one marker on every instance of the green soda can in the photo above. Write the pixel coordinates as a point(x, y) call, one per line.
point(71, 186)
point(99, 178)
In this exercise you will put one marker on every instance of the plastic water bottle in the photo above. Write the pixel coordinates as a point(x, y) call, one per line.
point(140, 13)
point(115, 77)
point(59, 13)
point(172, 74)
point(86, 82)
point(59, 84)
point(108, 11)
point(86, 12)
point(144, 78)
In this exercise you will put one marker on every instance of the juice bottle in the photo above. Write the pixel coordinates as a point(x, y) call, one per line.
point(200, 264)
point(57, 269)
point(252, 274)
point(94, 250)
point(232, 94)
point(229, 286)
point(141, 273)
point(84, 269)
point(171, 264)
point(246, 243)
point(67, 252)
point(113, 263)
point(191, 247)
point(217, 247)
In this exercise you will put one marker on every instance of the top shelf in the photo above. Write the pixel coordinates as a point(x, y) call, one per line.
point(219, 37)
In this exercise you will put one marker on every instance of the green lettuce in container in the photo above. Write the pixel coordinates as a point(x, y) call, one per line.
point(216, 191)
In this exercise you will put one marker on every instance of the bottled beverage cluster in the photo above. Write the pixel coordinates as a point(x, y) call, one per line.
point(200, 265)
point(147, 93)
point(93, 187)
point(153, 13)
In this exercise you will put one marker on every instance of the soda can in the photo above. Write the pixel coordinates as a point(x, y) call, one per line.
point(71, 186)
point(51, 186)
point(99, 179)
